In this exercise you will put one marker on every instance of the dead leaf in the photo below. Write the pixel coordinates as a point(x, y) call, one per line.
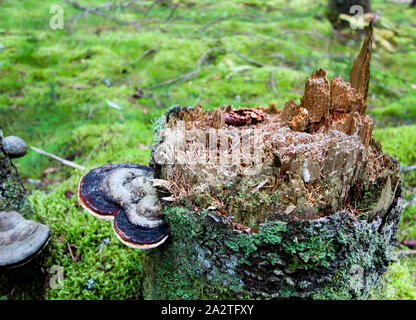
point(142, 146)
point(49, 170)
point(410, 243)
point(77, 86)
point(69, 194)
point(215, 77)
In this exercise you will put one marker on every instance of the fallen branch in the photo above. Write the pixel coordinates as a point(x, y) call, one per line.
point(237, 70)
point(273, 84)
point(249, 60)
point(220, 19)
point(59, 159)
point(287, 32)
point(97, 10)
point(407, 169)
point(188, 75)
point(405, 253)
point(409, 203)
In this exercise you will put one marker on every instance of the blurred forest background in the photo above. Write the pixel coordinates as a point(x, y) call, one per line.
point(91, 92)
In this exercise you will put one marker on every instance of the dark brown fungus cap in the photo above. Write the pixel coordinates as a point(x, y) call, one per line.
point(124, 193)
point(136, 236)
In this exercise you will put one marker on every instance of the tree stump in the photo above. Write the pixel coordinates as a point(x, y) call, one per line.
point(298, 203)
point(12, 192)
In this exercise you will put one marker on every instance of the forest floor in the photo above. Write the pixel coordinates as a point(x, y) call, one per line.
point(90, 93)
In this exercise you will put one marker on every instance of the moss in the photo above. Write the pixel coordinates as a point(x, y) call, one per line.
point(98, 49)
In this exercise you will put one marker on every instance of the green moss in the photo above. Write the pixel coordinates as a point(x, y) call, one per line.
point(38, 68)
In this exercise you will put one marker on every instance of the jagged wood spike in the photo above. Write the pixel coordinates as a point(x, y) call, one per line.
point(360, 71)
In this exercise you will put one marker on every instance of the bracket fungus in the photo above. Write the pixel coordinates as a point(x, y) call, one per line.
point(20, 239)
point(124, 194)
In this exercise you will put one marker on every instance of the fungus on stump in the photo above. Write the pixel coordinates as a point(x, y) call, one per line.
point(263, 203)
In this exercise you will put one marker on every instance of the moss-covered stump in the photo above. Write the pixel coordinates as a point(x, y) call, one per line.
point(299, 202)
point(12, 192)
point(335, 257)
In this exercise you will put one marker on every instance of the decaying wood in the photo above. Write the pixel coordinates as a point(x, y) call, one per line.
point(267, 203)
point(243, 116)
point(316, 156)
point(360, 72)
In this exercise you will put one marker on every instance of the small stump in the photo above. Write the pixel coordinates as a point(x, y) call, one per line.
point(264, 203)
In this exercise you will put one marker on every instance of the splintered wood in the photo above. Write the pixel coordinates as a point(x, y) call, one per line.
point(312, 159)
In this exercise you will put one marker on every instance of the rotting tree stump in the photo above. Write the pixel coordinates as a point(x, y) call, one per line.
point(262, 203)
point(12, 192)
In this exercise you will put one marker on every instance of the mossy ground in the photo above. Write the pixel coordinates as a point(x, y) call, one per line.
point(54, 86)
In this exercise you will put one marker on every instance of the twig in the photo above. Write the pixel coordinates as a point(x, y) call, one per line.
point(273, 84)
point(172, 11)
point(188, 75)
point(220, 19)
point(150, 50)
point(59, 159)
point(87, 158)
point(407, 169)
point(287, 32)
point(97, 10)
point(238, 70)
point(249, 60)
point(70, 252)
point(261, 184)
point(409, 203)
point(405, 253)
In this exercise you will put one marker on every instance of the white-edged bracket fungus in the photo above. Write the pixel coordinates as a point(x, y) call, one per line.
point(20, 239)
point(124, 193)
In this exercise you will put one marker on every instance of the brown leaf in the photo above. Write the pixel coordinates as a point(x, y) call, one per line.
point(49, 170)
point(142, 146)
point(77, 86)
point(69, 194)
point(61, 239)
point(215, 77)
point(140, 94)
point(244, 116)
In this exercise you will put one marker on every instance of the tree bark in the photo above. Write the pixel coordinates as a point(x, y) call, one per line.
point(12, 192)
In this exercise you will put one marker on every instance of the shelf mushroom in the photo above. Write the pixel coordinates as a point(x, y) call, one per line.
point(124, 193)
point(20, 239)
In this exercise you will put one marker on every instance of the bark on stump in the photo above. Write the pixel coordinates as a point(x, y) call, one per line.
point(318, 219)
point(12, 192)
